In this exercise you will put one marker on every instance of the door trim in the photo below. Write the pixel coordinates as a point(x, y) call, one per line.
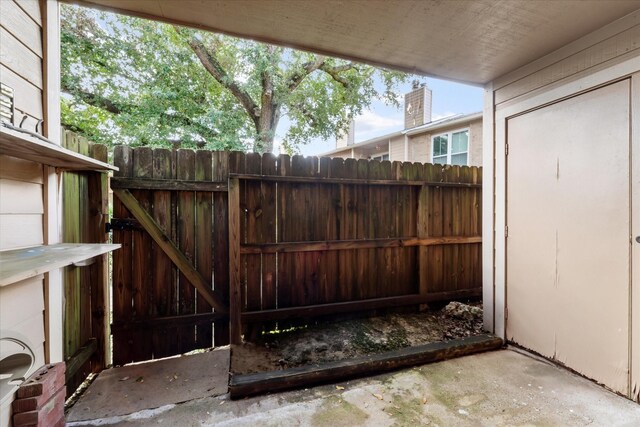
point(634, 290)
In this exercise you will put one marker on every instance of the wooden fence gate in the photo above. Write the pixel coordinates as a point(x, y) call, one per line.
point(263, 239)
point(85, 206)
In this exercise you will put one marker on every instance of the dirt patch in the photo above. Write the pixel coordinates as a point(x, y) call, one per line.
point(329, 341)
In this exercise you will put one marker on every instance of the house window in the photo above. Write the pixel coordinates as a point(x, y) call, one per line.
point(381, 157)
point(451, 148)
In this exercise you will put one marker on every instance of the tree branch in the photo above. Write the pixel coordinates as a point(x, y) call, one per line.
point(212, 65)
point(95, 100)
point(307, 68)
point(334, 72)
point(106, 104)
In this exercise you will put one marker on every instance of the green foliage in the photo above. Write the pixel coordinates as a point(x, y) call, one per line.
point(129, 80)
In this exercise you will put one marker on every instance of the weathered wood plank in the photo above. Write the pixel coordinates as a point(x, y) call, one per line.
point(268, 233)
point(142, 269)
point(251, 231)
point(347, 244)
point(284, 290)
point(20, 264)
point(354, 181)
point(17, 144)
point(166, 321)
point(185, 241)
point(98, 203)
point(305, 376)
point(165, 284)
point(356, 306)
point(122, 291)
point(221, 243)
point(82, 356)
point(235, 292)
point(203, 241)
point(167, 184)
point(170, 249)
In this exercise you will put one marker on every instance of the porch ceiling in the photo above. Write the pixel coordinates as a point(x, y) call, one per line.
point(469, 41)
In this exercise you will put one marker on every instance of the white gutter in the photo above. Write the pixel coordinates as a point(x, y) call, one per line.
point(444, 123)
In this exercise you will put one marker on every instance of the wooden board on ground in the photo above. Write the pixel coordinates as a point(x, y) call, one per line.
point(310, 375)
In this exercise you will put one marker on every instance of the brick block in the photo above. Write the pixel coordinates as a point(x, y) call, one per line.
point(50, 414)
point(46, 381)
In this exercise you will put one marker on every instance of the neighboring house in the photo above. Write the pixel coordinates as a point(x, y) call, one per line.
point(453, 140)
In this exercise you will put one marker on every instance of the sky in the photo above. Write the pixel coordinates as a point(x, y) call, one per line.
point(448, 98)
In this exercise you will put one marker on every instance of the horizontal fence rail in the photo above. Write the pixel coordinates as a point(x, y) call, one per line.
point(282, 238)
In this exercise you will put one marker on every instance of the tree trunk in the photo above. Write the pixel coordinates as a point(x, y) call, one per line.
point(266, 129)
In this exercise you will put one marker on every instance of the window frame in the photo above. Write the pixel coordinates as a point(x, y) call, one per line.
point(449, 135)
point(380, 157)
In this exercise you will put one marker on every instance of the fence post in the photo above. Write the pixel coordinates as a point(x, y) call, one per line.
point(98, 190)
point(235, 308)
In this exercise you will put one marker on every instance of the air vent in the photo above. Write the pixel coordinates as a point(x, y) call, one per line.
point(7, 110)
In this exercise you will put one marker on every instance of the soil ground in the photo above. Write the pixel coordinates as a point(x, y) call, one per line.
point(336, 340)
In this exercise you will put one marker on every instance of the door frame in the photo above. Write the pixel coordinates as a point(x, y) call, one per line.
point(495, 214)
point(634, 300)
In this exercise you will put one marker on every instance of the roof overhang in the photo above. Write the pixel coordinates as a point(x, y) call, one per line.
point(468, 41)
point(447, 122)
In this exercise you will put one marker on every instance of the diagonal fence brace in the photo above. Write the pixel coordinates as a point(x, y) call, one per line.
point(171, 250)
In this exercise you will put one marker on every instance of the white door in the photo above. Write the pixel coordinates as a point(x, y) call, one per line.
point(568, 247)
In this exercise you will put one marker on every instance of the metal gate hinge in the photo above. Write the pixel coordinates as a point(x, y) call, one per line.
point(124, 224)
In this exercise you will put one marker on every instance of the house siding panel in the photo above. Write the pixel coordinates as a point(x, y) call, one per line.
point(600, 53)
point(396, 149)
point(17, 22)
point(475, 143)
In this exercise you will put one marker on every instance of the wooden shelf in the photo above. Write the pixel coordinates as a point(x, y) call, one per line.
point(20, 264)
point(24, 146)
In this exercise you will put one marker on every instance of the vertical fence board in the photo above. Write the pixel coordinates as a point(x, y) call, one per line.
point(361, 257)
point(185, 171)
point(142, 268)
point(164, 295)
point(122, 262)
point(221, 242)
point(267, 234)
point(204, 242)
point(250, 199)
point(235, 284)
point(285, 290)
point(98, 197)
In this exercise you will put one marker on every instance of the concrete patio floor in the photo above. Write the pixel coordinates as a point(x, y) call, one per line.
point(501, 388)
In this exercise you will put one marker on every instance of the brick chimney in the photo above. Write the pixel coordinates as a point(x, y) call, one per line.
point(348, 138)
point(417, 105)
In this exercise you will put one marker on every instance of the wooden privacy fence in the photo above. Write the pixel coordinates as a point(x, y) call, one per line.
point(264, 239)
point(85, 211)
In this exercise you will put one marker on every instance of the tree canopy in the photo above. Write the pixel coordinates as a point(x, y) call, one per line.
point(135, 81)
